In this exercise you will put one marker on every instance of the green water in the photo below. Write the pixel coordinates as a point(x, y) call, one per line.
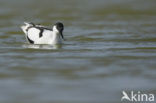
point(110, 47)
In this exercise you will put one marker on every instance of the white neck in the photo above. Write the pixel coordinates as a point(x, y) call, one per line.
point(56, 37)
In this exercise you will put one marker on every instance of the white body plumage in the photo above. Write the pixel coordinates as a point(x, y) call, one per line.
point(38, 34)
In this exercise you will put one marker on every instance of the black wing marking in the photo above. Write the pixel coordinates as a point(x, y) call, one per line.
point(43, 28)
point(32, 23)
point(30, 41)
point(41, 32)
point(38, 26)
point(28, 28)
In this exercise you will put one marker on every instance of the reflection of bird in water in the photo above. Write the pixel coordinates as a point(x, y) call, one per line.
point(125, 96)
point(38, 34)
point(55, 46)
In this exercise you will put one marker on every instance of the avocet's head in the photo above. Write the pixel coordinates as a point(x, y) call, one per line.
point(58, 27)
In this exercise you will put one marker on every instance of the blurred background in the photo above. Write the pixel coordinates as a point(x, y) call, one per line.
point(110, 47)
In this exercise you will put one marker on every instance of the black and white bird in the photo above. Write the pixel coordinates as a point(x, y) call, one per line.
point(38, 34)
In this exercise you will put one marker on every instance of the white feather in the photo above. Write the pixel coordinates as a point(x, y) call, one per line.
point(48, 36)
point(33, 34)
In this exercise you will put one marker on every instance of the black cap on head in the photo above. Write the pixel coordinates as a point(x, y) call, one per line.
point(60, 28)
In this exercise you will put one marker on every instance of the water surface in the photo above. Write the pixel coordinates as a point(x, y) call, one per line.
point(110, 47)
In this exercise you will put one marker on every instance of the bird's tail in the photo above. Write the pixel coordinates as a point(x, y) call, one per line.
point(25, 26)
point(29, 23)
